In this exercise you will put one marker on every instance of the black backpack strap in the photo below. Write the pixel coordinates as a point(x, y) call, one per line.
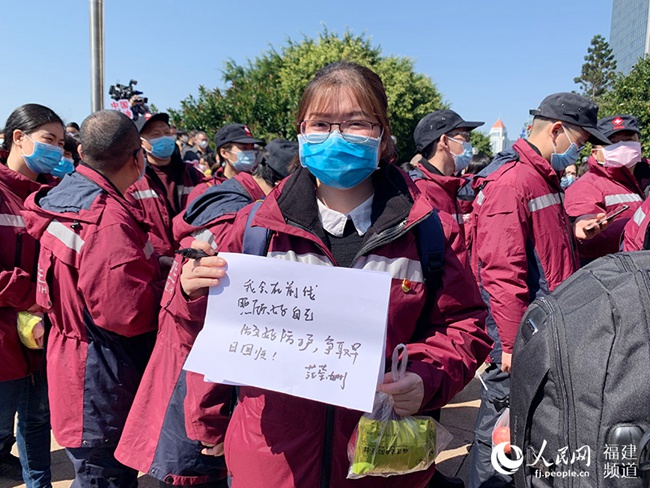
point(256, 239)
point(431, 244)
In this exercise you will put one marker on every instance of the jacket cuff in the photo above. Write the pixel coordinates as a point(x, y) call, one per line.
point(431, 381)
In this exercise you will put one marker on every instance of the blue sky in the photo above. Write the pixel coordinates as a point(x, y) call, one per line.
point(489, 58)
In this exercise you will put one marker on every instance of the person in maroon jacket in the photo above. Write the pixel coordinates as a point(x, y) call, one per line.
point(100, 283)
point(442, 138)
point(164, 191)
point(523, 243)
point(33, 146)
point(236, 154)
point(346, 206)
point(617, 176)
point(160, 437)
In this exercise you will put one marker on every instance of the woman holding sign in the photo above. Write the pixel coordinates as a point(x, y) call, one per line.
point(345, 206)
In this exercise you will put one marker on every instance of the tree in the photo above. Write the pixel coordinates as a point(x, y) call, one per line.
point(481, 142)
point(599, 69)
point(631, 95)
point(264, 93)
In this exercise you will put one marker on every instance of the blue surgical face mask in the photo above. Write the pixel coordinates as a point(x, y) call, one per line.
point(44, 158)
point(246, 161)
point(461, 161)
point(65, 167)
point(340, 163)
point(567, 181)
point(560, 162)
point(162, 147)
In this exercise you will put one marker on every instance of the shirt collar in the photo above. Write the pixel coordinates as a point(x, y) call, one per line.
point(334, 222)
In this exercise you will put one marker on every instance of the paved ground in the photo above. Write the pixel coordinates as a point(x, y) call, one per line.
point(458, 417)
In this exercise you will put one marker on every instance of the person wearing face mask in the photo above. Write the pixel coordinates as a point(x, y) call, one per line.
point(164, 190)
point(442, 138)
point(617, 176)
point(236, 153)
point(32, 148)
point(100, 284)
point(523, 244)
point(344, 206)
point(570, 176)
point(152, 441)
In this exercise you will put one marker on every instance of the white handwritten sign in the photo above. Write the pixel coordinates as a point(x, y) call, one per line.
point(316, 332)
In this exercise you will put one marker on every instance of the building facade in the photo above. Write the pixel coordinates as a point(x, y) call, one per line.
point(499, 137)
point(629, 35)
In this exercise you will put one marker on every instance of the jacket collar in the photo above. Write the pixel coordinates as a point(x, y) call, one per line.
point(451, 184)
point(18, 184)
point(621, 175)
point(529, 155)
point(292, 208)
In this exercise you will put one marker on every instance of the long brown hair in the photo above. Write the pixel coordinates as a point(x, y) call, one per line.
point(365, 86)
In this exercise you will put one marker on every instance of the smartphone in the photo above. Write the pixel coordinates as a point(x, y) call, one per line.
point(609, 217)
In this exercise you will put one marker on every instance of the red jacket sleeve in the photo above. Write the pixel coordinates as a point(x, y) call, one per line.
point(452, 344)
point(207, 409)
point(636, 227)
point(16, 289)
point(121, 285)
point(501, 235)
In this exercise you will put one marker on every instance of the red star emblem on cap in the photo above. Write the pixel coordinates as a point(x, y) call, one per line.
point(617, 121)
point(248, 131)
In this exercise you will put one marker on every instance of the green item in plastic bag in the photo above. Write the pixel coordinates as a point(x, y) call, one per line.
point(385, 447)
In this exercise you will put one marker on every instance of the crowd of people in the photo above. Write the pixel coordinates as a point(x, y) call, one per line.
point(91, 218)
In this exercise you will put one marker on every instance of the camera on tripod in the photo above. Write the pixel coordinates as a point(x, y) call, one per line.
point(126, 92)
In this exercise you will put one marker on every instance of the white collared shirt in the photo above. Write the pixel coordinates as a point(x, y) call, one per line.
point(334, 222)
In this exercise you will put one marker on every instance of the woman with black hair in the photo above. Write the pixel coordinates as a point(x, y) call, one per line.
point(32, 148)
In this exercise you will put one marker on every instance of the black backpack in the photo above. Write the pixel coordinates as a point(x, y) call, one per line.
point(580, 382)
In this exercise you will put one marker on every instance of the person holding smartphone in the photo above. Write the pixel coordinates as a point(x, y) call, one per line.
point(618, 176)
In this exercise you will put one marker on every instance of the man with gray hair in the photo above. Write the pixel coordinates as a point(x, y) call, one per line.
point(100, 284)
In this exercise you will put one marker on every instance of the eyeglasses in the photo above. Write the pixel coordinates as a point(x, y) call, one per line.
point(463, 135)
point(317, 131)
point(138, 150)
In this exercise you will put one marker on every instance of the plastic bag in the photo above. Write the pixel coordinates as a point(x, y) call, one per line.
point(385, 444)
point(501, 431)
point(31, 329)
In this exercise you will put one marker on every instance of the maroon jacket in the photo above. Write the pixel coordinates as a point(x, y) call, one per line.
point(161, 437)
point(636, 228)
point(150, 195)
point(442, 192)
point(603, 190)
point(18, 258)
point(98, 279)
point(275, 439)
point(523, 241)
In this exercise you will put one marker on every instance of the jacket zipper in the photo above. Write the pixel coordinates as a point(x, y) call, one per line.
point(388, 235)
point(547, 307)
point(19, 250)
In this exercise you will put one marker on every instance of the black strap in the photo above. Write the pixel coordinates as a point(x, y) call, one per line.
point(431, 243)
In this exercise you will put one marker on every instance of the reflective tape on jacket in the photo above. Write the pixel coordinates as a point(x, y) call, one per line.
point(545, 201)
point(639, 216)
point(480, 197)
point(399, 268)
point(10, 220)
point(142, 194)
point(622, 198)
point(206, 236)
point(148, 249)
point(67, 236)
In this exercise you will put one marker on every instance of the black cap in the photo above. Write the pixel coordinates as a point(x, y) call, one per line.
point(435, 124)
point(618, 123)
point(235, 133)
point(573, 109)
point(279, 154)
point(144, 120)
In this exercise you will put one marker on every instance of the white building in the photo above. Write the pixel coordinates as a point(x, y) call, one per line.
point(499, 137)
